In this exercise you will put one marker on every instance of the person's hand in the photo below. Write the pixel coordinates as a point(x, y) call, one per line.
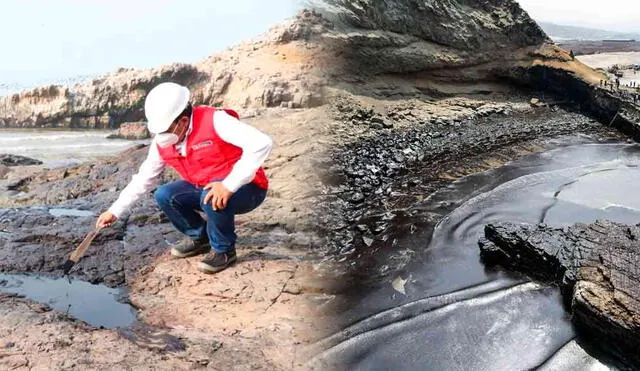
point(105, 219)
point(218, 194)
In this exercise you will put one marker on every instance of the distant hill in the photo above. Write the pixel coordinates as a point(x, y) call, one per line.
point(559, 33)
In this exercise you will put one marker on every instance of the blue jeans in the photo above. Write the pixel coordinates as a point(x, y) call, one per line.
point(180, 200)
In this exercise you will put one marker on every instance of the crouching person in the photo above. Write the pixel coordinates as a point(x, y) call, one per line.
point(219, 159)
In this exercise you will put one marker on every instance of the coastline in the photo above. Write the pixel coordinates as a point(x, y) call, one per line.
point(358, 150)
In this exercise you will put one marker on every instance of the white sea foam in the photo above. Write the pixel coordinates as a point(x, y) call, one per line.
point(67, 147)
point(23, 137)
point(53, 146)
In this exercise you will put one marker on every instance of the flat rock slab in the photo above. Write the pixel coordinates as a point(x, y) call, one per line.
point(596, 267)
point(16, 160)
point(32, 240)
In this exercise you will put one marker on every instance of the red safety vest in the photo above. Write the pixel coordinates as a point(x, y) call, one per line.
point(208, 156)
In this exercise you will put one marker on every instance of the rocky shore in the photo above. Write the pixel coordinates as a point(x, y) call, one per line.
point(262, 306)
point(376, 181)
point(400, 135)
point(595, 266)
point(372, 109)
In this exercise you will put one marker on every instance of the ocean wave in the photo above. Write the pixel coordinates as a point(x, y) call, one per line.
point(49, 137)
point(66, 147)
point(62, 145)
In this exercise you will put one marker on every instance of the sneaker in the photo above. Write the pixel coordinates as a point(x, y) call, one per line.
point(216, 262)
point(188, 247)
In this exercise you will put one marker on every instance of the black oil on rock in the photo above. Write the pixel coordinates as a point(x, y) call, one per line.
point(596, 267)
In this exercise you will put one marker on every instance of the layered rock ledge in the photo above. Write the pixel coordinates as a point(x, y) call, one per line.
point(405, 48)
point(596, 267)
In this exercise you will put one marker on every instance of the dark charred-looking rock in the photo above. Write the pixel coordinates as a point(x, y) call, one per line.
point(369, 170)
point(17, 160)
point(34, 240)
point(466, 41)
point(596, 266)
point(611, 108)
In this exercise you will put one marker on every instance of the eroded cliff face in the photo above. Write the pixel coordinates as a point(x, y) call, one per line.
point(412, 36)
point(460, 24)
point(101, 103)
point(276, 69)
point(365, 46)
point(410, 48)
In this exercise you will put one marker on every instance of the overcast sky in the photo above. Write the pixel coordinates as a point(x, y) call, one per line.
point(44, 39)
point(613, 15)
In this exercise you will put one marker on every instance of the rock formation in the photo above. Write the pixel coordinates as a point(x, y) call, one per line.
point(131, 130)
point(17, 160)
point(596, 267)
point(276, 69)
point(411, 47)
point(379, 50)
point(407, 36)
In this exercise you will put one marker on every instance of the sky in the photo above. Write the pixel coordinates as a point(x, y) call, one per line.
point(45, 39)
point(610, 15)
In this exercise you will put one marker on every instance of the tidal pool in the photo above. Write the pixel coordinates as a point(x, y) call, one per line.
point(98, 305)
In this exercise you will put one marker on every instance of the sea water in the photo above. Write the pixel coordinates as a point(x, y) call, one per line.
point(61, 147)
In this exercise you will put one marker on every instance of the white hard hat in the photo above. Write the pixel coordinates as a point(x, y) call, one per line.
point(163, 105)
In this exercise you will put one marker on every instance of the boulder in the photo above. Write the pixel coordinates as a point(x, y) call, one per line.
point(17, 160)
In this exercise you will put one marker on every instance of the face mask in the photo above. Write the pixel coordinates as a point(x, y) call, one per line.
point(166, 140)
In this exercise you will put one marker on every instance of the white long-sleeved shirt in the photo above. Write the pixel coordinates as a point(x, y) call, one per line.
point(255, 146)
